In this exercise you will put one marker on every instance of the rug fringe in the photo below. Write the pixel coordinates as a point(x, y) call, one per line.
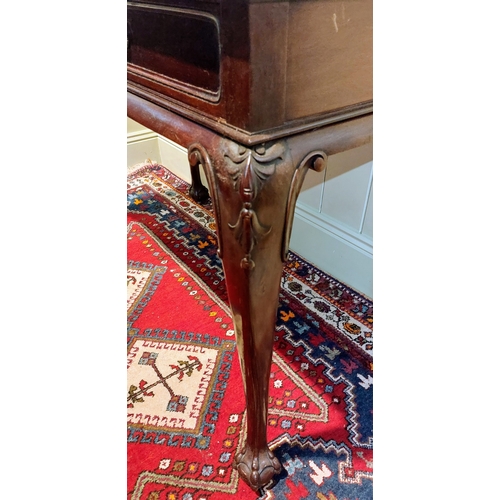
point(146, 163)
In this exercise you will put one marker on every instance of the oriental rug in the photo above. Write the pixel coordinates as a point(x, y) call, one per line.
point(185, 400)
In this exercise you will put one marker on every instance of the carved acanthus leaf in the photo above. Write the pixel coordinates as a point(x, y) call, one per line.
point(249, 170)
point(260, 162)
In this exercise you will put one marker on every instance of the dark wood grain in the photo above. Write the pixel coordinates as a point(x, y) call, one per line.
point(329, 63)
point(284, 67)
point(278, 87)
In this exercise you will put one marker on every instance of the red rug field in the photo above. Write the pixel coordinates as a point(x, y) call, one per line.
point(185, 400)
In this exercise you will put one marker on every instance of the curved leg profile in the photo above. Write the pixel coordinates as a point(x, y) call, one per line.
point(254, 193)
point(197, 191)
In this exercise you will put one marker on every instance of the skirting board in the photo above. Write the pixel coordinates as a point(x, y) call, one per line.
point(141, 146)
point(314, 237)
point(332, 249)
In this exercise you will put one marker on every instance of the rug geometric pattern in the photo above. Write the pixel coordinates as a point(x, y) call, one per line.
point(185, 401)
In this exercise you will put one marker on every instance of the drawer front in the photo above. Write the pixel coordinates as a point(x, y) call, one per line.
point(175, 47)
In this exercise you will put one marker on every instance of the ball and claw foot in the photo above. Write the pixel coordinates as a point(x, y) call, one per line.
point(257, 467)
point(199, 193)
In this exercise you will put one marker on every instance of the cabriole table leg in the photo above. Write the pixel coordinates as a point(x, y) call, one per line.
point(254, 192)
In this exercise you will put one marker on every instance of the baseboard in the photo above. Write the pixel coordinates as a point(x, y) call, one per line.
point(334, 249)
point(142, 145)
point(174, 157)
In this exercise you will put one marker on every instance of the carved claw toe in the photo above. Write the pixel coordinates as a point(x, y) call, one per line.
point(257, 467)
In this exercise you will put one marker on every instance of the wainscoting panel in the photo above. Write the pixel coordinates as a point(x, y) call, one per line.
point(367, 229)
point(338, 251)
point(142, 144)
point(346, 192)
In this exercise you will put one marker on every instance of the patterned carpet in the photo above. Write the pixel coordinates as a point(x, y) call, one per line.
point(185, 402)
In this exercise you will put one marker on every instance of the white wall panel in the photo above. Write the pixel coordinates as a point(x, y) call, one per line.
point(133, 126)
point(142, 144)
point(311, 193)
point(367, 228)
point(175, 158)
point(347, 185)
point(339, 257)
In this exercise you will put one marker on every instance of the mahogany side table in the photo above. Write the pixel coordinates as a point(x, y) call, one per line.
point(258, 91)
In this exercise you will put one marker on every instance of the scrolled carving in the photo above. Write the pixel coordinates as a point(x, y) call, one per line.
point(198, 155)
point(315, 160)
point(197, 190)
point(249, 170)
